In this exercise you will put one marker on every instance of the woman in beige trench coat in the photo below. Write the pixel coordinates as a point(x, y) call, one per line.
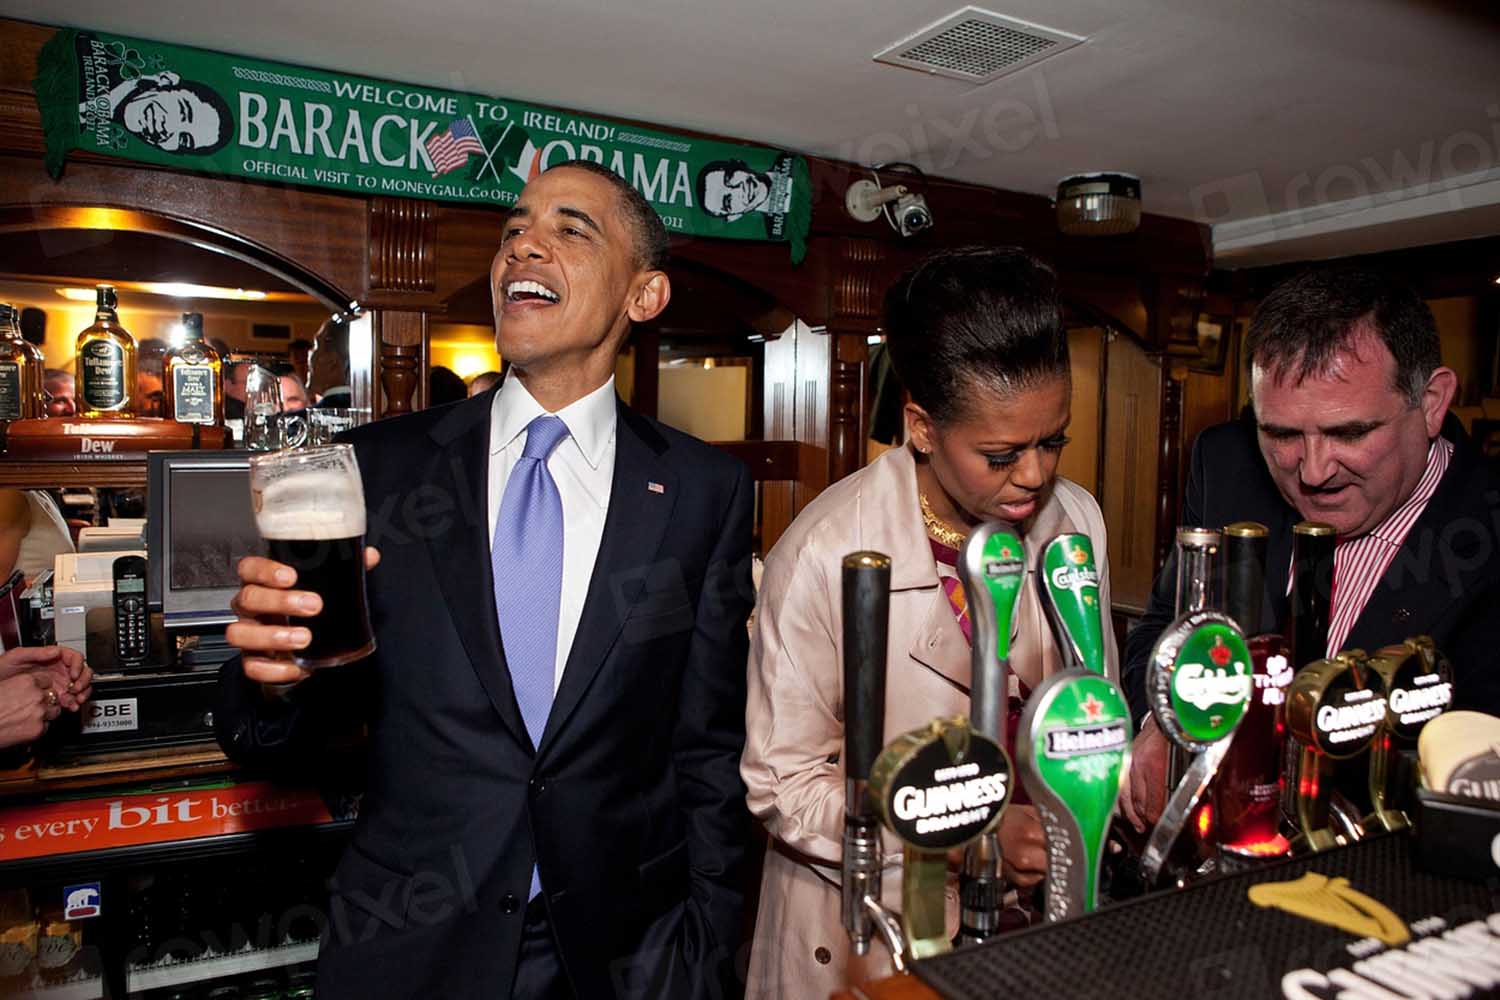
point(976, 337)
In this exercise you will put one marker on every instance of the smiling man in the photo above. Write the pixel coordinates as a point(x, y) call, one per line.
point(1350, 427)
point(556, 704)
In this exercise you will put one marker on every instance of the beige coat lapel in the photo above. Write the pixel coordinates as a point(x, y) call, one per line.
point(891, 521)
point(940, 644)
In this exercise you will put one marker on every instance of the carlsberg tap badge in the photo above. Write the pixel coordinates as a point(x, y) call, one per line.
point(1211, 682)
point(1071, 586)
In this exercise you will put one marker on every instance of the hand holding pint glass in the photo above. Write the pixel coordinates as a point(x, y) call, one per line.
point(309, 507)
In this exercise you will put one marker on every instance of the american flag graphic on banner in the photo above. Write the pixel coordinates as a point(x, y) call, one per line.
point(451, 149)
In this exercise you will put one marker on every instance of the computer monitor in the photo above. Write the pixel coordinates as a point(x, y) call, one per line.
point(200, 526)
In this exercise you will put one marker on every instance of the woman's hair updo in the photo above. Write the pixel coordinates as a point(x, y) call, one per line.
point(974, 317)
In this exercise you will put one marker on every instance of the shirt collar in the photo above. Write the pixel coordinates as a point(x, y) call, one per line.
point(1393, 529)
point(590, 419)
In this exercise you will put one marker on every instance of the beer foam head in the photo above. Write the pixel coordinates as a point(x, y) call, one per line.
point(311, 506)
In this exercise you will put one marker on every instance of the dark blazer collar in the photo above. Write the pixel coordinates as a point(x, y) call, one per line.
point(461, 555)
point(1441, 556)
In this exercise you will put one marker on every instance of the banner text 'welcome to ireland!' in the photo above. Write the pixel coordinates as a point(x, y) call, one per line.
point(192, 109)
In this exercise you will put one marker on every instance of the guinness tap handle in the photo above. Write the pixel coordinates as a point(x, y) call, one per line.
point(867, 602)
point(866, 608)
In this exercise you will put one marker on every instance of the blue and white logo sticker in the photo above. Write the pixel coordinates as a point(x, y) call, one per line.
point(81, 901)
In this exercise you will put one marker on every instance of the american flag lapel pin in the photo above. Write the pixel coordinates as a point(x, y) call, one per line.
point(655, 487)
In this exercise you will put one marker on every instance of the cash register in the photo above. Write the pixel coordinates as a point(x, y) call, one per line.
point(154, 630)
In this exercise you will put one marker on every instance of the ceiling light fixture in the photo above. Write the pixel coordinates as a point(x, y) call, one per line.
point(1099, 204)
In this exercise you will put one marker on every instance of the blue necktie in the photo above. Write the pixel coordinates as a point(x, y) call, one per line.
point(527, 562)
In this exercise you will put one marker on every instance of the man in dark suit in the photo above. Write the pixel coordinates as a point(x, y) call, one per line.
point(554, 805)
point(1350, 427)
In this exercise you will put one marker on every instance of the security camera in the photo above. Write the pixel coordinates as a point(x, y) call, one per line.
point(912, 214)
point(905, 210)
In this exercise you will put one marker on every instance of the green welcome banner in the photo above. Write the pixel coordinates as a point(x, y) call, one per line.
point(191, 109)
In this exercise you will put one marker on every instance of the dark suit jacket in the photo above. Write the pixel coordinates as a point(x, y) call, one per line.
point(632, 806)
point(1444, 580)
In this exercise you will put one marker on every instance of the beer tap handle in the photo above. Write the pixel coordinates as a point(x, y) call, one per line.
point(1068, 584)
point(992, 567)
point(1179, 807)
point(866, 614)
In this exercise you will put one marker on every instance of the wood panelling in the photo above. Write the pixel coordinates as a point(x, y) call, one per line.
point(1080, 459)
point(1128, 493)
point(403, 245)
point(1206, 400)
point(795, 410)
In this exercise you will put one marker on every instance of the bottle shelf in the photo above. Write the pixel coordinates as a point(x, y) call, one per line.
point(172, 972)
point(47, 475)
point(82, 988)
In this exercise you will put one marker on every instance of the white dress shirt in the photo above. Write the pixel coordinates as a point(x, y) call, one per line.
point(582, 465)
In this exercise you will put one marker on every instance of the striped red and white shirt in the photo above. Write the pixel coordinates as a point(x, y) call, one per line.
point(1359, 563)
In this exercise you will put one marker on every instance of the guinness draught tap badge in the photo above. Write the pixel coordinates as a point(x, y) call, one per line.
point(1418, 683)
point(1073, 752)
point(937, 788)
point(1333, 709)
point(1199, 684)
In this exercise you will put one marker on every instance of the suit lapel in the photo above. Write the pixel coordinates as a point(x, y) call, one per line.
point(461, 555)
point(634, 528)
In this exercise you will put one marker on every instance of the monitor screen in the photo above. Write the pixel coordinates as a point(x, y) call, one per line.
point(201, 527)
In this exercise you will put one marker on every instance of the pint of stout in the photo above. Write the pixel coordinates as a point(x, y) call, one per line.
point(310, 508)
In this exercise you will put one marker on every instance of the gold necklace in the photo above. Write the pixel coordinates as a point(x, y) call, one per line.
point(941, 532)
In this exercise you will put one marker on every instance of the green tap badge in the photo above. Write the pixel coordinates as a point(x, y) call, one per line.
point(1199, 682)
point(1073, 750)
point(1002, 568)
point(1208, 683)
point(1069, 584)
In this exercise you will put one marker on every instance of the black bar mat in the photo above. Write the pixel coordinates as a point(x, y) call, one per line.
point(1209, 942)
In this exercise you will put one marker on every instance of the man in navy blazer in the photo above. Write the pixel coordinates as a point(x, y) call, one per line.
point(1350, 427)
point(629, 807)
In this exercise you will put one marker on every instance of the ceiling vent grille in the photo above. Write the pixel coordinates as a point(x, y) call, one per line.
point(977, 46)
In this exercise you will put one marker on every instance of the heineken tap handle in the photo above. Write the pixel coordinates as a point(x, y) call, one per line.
point(1068, 581)
point(866, 597)
point(993, 569)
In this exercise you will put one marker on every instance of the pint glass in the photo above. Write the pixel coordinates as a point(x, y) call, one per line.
point(310, 508)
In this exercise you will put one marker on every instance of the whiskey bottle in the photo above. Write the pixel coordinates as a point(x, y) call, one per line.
point(193, 378)
point(20, 370)
point(106, 363)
